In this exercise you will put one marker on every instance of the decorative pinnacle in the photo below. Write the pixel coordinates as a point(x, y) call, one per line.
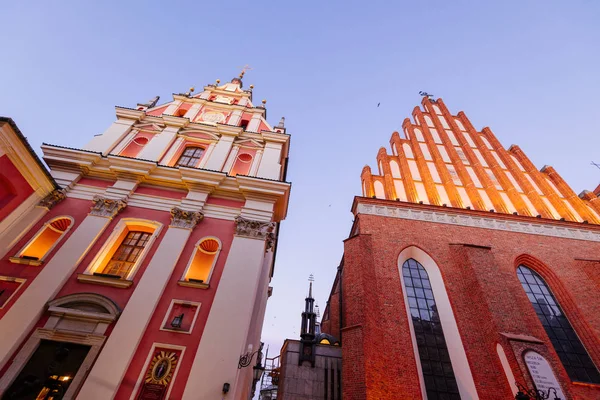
point(281, 123)
point(192, 89)
point(218, 81)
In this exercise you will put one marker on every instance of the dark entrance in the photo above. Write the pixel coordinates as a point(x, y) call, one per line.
point(49, 371)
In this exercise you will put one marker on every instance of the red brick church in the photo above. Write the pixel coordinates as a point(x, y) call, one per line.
point(468, 273)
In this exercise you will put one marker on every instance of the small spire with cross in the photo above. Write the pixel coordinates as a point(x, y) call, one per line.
point(311, 279)
point(244, 69)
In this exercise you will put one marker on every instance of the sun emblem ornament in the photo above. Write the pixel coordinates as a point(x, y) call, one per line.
point(162, 367)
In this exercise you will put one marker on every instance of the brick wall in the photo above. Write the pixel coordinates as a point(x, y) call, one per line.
point(479, 271)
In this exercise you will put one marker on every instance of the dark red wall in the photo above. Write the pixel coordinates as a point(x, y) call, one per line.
point(14, 188)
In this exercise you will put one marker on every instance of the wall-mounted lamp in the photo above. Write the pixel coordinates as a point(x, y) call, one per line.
point(226, 387)
point(177, 320)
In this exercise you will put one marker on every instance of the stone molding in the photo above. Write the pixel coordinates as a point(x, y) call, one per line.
point(254, 229)
point(52, 199)
point(105, 207)
point(185, 219)
point(480, 222)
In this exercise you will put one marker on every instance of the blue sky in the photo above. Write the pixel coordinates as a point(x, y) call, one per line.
point(527, 69)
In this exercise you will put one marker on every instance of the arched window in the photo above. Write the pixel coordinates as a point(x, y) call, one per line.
point(242, 165)
point(190, 157)
point(45, 240)
point(117, 261)
point(203, 260)
point(569, 348)
point(436, 366)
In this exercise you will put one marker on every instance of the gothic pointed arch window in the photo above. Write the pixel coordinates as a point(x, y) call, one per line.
point(568, 346)
point(436, 366)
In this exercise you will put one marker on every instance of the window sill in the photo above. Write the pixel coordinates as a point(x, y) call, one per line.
point(175, 330)
point(26, 261)
point(101, 280)
point(196, 285)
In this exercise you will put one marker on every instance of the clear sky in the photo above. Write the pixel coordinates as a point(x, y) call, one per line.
point(527, 69)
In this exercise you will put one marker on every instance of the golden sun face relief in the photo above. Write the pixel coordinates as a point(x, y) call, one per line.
point(161, 368)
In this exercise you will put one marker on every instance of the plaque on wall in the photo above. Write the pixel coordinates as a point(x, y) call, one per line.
point(159, 374)
point(541, 373)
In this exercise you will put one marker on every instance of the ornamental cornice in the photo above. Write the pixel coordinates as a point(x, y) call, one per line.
point(479, 222)
point(254, 229)
point(129, 113)
point(105, 207)
point(52, 199)
point(185, 219)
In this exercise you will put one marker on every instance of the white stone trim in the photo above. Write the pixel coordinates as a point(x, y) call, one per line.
point(166, 318)
point(450, 218)
point(20, 281)
point(458, 356)
point(197, 248)
point(147, 362)
point(42, 229)
point(114, 236)
point(507, 370)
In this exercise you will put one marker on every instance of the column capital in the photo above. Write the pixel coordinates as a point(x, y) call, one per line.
point(105, 207)
point(254, 229)
point(52, 199)
point(185, 219)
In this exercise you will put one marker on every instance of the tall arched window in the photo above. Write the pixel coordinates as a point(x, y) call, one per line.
point(569, 348)
point(436, 366)
point(45, 240)
point(190, 157)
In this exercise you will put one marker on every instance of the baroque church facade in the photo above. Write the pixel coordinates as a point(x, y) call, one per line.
point(468, 273)
point(142, 261)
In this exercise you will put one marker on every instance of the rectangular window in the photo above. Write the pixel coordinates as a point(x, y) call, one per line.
point(190, 157)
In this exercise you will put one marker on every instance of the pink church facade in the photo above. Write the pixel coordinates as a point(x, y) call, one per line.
point(138, 267)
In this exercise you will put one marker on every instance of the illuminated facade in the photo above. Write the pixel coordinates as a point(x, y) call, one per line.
point(467, 269)
point(139, 267)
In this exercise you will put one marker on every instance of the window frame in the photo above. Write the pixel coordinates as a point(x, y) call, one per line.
point(100, 261)
point(182, 154)
point(456, 350)
point(191, 260)
point(47, 225)
point(168, 314)
point(564, 314)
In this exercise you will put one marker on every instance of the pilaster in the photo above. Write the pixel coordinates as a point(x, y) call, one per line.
point(227, 328)
point(159, 144)
point(112, 363)
point(270, 166)
point(219, 153)
point(105, 142)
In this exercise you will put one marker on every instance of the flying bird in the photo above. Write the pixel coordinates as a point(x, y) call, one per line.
point(378, 104)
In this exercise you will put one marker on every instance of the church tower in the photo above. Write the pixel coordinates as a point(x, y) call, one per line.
point(145, 273)
point(468, 273)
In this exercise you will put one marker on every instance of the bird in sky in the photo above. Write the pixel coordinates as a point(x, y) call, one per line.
point(378, 104)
